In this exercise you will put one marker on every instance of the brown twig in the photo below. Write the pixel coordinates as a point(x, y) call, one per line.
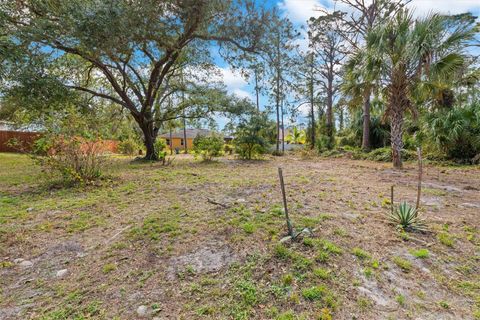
point(217, 203)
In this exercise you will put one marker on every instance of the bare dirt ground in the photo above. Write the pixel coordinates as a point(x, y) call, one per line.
point(202, 241)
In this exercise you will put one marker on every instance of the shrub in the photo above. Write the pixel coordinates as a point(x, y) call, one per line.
point(77, 160)
point(348, 138)
point(208, 147)
point(250, 141)
point(160, 145)
point(228, 148)
point(71, 148)
point(384, 155)
point(379, 132)
point(128, 147)
point(454, 132)
point(249, 147)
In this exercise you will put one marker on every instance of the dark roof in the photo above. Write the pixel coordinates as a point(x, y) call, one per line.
point(191, 133)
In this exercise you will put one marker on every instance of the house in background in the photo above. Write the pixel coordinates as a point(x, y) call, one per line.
point(178, 141)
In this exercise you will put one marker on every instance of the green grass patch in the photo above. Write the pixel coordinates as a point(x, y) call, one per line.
point(282, 252)
point(109, 267)
point(154, 227)
point(420, 253)
point(446, 239)
point(320, 294)
point(322, 273)
point(402, 263)
point(361, 254)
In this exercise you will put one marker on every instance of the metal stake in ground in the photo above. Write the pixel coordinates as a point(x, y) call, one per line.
point(282, 185)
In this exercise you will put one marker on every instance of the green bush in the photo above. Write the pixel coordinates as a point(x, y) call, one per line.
point(208, 147)
point(348, 138)
point(160, 145)
point(383, 154)
point(454, 132)
point(379, 132)
point(380, 154)
point(228, 148)
point(250, 137)
point(71, 149)
point(129, 147)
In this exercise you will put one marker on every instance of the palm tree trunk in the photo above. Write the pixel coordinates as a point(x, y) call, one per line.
point(398, 102)
point(366, 122)
point(396, 137)
point(341, 119)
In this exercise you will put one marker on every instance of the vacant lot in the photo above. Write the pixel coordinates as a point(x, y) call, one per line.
point(202, 240)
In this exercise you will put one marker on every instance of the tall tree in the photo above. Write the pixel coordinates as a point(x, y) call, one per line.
point(305, 87)
point(330, 50)
point(403, 53)
point(359, 17)
point(278, 63)
point(133, 48)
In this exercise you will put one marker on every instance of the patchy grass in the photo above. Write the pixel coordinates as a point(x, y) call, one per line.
point(150, 237)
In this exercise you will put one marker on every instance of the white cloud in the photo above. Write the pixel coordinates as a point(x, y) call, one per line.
point(304, 109)
point(234, 82)
point(232, 79)
point(423, 7)
point(242, 93)
point(301, 10)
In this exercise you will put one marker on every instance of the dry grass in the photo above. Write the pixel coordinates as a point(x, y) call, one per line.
point(150, 237)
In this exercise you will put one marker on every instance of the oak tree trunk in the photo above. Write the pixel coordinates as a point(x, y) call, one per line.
point(149, 138)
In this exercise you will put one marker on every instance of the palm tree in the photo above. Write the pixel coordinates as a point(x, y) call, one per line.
point(297, 136)
point(358, 85)
point(403, 53)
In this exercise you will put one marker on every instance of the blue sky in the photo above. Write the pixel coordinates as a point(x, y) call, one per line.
point(299, 11)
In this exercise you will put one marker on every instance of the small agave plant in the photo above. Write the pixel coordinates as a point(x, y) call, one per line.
point(406, 217)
